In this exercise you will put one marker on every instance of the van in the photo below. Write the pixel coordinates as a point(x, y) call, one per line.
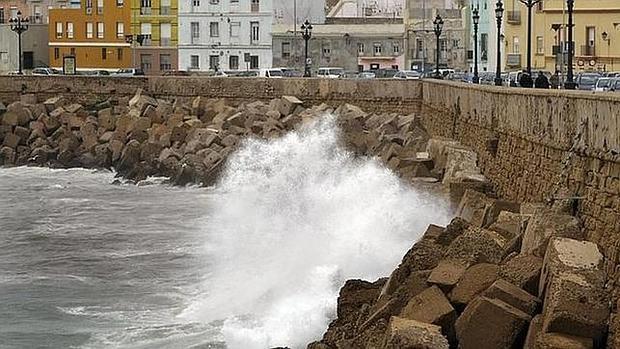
point(271, 73)
point(330, 73)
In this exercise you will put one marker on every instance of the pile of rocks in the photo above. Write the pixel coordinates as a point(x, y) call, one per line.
point(187, 141)
point(500, 275)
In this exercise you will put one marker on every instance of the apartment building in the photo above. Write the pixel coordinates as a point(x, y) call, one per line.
point(487, 35)
point(154, 25)
point(95, 34)
point(225, 34)
point(596, 35)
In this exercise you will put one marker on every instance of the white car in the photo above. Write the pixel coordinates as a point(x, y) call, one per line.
point(125, 72)
point(45, 71)
point(271, 73)
point(602, 84)
point(330, 73)
point(408, 75)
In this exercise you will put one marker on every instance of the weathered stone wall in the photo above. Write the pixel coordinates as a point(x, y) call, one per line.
point(532, 142)
point(379, 96)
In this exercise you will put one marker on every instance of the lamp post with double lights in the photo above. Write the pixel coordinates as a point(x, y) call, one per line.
point(529, 4)
point(19, 25)
point(438, 27)
point(499, 13)
point(476, 21)
point(306, 29)
point(570, 83)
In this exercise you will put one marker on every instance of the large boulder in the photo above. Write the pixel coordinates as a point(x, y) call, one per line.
point(477, 245)
point(542, 227)
point(474, 281)
point(411, 334)
point(432, 307)
point(523, 271)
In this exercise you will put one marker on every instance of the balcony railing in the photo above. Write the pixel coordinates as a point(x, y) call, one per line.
point(513, 59)
point(165, 66)
point(588, 50)
point(514, 17)
point(164, 42)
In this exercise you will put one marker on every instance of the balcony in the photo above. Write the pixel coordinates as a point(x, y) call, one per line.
point(145, 10)
point(164, 42)
point(514, 17)
point(588, 50)
point(513, 60)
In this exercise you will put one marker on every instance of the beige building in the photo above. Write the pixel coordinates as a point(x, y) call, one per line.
point(596, 35)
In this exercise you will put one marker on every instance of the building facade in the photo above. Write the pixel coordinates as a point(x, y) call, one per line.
point(487, 35)
point(225, 35)
point(295, 12)
point(368, 8)
point(421, 42)
point(596, 36)
point(156, 22)
point(353, 47)
point(94, 34)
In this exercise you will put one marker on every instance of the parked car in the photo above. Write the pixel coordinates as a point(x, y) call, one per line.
point(602, 84)
point(271, 73)
point(330, 73)
point(366, 75)
point(176, 73)
point(291, 73)
point(513, 78)
point(45, 71)
point(587, 81)
point(408, 75)
point(614, 85)
point(385, 73)
point(125, 72)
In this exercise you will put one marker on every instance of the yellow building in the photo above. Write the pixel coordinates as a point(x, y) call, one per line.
point(156, 21)
point(596, 35)
point(94, 34)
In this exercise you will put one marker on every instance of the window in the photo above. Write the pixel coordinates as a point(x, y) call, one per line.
point(4, 57)
point(253, 62)
point(89, 7)
point(164, 8)
point(89, 30)
point(255, 31)
point(119, 54)
point(377, 49)
point(214, 62)
point(286, 50)
point(56, 53)
point(165, 33)
point(214, 2)
point(2, 18)
point(72, 51)
point(37, 13)
point(540, 48)
point(484, 44)
point(419, 44)
point(195, 29)
point(104, 53)
point(100, 7)
point(100, 27)
point(515, 44)
point(13, 12)
point(120, 3)
point(360, 47)
point(58, 30)
point(145, 30)
point(455, 43)
point(396, 48)
point(540, 6)
point(165, 62)
point(214, 29)
point(195, 3)
point(327, 50)
point(255, 6)
point(145, 7)
point(69, 30)
point(145, 62)
point(194, 62)
point(235, 28)
point(233, 62)
point(120, 30)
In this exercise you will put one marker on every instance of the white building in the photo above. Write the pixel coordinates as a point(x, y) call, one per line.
point(297, 11)
point(225, 34)
point(368, 8)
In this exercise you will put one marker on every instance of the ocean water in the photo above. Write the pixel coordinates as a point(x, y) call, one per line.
point(254, 262)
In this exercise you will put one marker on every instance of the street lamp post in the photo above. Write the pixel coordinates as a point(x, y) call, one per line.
point(606, 38)
point(499, 12)
point(438, 23)
point(570, 84)
point(19, 25)
point(476, 20)
point(306, 29)
point(529, 4)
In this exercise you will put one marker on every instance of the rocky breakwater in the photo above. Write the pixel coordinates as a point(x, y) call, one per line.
point(186, 140)
point(500, 275)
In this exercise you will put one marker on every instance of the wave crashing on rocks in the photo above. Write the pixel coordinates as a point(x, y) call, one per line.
point(296, 217)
